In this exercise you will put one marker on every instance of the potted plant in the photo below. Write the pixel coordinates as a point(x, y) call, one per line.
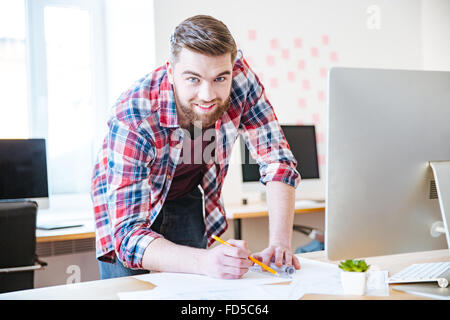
point(354, 276)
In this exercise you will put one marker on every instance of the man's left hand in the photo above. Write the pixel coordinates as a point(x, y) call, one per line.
point(279, 255)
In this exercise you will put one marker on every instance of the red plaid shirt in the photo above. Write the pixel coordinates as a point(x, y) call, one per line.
point(135, 166)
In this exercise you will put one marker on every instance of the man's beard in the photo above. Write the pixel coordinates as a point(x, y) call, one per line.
point(204, 120)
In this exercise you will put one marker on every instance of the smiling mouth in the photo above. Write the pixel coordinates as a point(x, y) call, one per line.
point(205, 106)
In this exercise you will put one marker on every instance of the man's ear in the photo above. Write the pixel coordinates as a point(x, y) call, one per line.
point(169, 71)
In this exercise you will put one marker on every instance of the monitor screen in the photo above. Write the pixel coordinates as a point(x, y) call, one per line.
point(384, 127)
point(302, 142)
point(23, 169)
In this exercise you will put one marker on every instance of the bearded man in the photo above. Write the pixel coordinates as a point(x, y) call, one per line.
point(157, 204)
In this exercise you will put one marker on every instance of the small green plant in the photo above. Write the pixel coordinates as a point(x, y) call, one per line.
point(354, 265)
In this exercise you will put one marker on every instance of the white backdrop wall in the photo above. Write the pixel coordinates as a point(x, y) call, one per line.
point(436, 34)
point(291, 45)
point(304, 37)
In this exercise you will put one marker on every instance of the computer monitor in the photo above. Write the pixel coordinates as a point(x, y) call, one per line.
point(302, 142)
point(384, 128)
point(23, 171)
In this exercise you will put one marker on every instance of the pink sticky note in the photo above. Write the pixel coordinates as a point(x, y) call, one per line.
point(321, 95)
point(274, 82)
point(323, 72)
point(274, 43)
point(299, 122)
point(301, 64)
point(270, 60)
point(302, 103)
point(325, 39)
point(305, 84)
point(260, 76)
point(298, 43)
point(251, 34)
point(314, 52)
point(285, 53)
point(291, 76)
point(319, 137)
point(321, 159)
point(316, 118)
point(333, 56)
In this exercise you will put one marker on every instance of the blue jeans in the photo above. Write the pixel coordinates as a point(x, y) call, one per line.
point(180, 221)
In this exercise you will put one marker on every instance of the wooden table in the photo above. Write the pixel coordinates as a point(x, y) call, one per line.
point(87, 231)
point(74, 208)
point(239, 212)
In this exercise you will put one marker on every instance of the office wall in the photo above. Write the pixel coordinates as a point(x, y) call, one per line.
point(435, 34)
point(130, 43)
point(67, 268)
point(292, 44)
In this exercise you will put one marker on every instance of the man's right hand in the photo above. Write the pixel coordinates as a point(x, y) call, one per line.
point(227, 262)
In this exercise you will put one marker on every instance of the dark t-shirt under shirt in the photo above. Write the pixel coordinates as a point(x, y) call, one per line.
point(193, 159)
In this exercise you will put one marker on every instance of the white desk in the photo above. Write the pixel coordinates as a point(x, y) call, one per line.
point(256, 210)
point(108, 289)
point(76, 209)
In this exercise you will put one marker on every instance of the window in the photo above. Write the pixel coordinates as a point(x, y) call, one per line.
point(69, 98)
point(13, 76)
point(52, 83)
point(53, 79)
point(67, 87)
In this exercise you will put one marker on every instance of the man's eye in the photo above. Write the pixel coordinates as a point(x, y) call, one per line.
point(220, 79)
point(192, 79)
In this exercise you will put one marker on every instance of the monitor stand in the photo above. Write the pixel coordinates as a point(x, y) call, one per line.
point(441, 171)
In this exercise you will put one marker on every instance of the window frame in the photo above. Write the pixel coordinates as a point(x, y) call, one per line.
point(37, 66)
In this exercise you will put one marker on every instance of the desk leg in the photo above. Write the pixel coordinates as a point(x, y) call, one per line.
point(237, 229)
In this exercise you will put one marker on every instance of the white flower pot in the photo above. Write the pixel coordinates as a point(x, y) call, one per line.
point(354, 283)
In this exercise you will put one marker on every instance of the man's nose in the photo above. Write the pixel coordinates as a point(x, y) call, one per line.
point(206, 92)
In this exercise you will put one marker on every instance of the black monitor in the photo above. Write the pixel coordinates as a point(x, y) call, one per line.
point(302, 142)
point(23, 170)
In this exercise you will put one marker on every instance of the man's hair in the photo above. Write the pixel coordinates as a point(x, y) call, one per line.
point(203, 34)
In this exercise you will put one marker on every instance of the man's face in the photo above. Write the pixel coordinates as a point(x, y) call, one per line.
point(202, 86)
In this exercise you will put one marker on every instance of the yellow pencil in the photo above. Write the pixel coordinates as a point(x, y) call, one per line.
point(251, 258)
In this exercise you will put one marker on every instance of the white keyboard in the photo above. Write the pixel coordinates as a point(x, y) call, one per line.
point(424, 272)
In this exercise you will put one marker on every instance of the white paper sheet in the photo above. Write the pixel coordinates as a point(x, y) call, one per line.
point(183, 282)
point(251, 292)
point(324, 278)
point(377, 283)
point(314, 277)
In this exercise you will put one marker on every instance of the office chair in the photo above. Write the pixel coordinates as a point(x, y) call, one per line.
point(316, 235)
point(18, 260)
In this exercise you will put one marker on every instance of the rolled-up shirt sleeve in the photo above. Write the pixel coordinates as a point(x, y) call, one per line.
point(264, 137)
point(129, 155)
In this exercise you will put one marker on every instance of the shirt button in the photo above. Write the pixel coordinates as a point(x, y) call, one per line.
point(169, 176)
